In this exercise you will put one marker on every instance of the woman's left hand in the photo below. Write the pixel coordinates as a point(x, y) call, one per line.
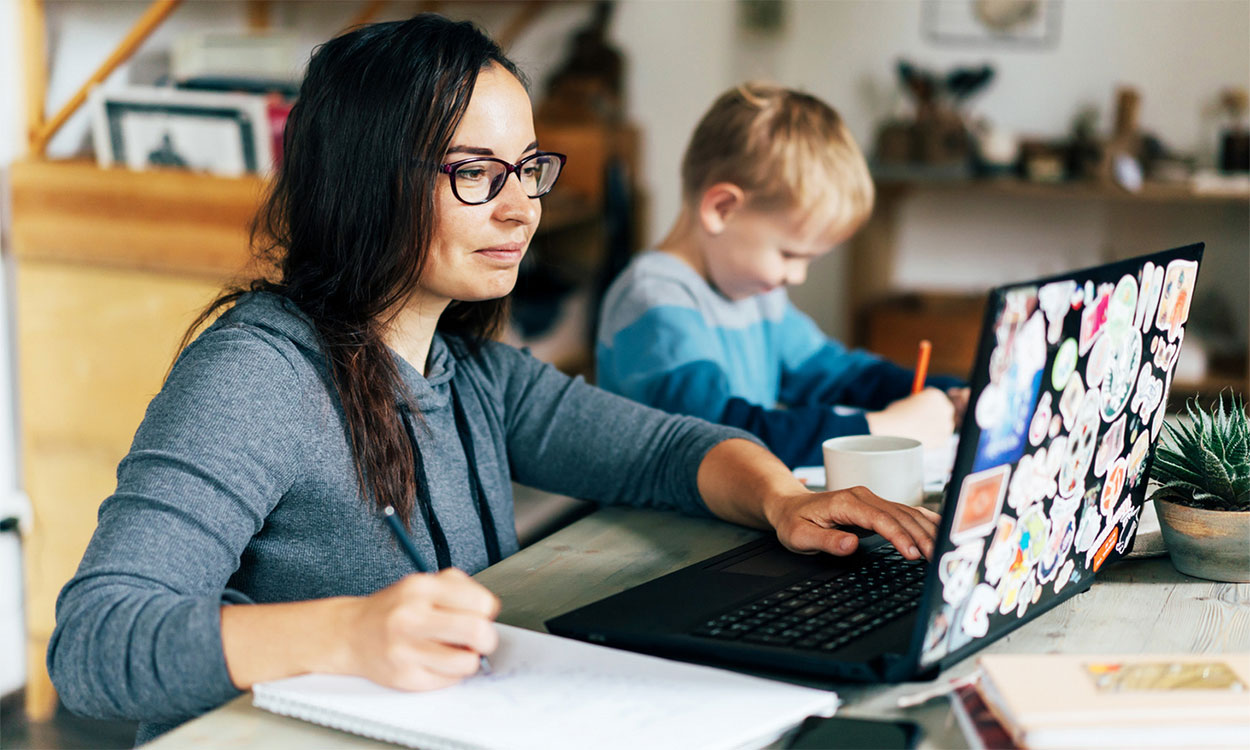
point(807, 522)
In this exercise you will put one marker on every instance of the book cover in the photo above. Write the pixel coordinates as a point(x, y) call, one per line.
point(1138, 700)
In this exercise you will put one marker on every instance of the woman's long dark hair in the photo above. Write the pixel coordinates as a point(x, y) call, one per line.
point(348, 222)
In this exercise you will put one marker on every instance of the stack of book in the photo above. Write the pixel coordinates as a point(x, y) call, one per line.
point(1142, 700)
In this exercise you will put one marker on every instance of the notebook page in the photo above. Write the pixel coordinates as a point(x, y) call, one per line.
point(549, 693)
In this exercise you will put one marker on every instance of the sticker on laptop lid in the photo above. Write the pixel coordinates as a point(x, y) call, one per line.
point(976, 615)
point(1065, 575)
point(1099, 360)
point(1122, 366)
point(1149, 393)
point(1178, 291)
point(980, 500)
point(1163, 676)
point(1109, 447)
point(1040, 424)
point(1070, 401)
point(1123, 305)
point(1055, 299)
point(1113, 486)
point(1094, 316)
point(1065, 364)
point(957, 571)
point(1081, 445)
point(1063, 531)
point(1003, 549)
point(1148, 298)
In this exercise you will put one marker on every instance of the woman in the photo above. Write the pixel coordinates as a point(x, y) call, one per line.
point(245, 541)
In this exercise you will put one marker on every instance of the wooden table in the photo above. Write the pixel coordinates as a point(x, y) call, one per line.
point(1136, 606)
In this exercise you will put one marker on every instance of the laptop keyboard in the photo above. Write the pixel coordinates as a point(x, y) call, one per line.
point(825, 613)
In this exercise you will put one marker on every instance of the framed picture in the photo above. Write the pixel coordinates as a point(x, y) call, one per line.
point(144, 127)
point(990, 23)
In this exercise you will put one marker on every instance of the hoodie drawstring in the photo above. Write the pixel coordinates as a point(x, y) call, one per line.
point(442, 552)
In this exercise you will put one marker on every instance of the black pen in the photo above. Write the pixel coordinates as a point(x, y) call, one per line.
point(406, 545)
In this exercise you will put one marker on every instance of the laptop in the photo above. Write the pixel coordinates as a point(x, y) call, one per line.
point(1068, 395)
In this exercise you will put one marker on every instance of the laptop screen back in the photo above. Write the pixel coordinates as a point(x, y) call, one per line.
point(1068, 395)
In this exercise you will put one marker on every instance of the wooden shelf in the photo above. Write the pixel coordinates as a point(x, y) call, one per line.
point(1151, 192)
point(168, 221)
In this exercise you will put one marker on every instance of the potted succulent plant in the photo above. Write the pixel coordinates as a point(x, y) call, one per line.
point(1202, 468)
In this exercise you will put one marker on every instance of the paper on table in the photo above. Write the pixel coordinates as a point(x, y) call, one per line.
point(549, 692)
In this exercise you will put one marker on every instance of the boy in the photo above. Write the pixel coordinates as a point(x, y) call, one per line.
point(702, 325)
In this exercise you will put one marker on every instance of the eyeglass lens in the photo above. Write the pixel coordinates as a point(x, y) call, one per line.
point(480, 180)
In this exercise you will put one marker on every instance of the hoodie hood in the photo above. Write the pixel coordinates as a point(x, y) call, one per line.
point(280, 316)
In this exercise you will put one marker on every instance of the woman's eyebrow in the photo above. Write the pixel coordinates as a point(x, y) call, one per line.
point(479, 151)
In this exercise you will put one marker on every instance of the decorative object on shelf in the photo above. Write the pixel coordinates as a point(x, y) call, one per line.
point(1085, 148)
point(589, 85)
point(143, 127)
point(1235, 133)
point(1015, 23)
point(1121, 163)
point(997, 148)
point(249, 60)
point(937, 135)
point(1203, 499)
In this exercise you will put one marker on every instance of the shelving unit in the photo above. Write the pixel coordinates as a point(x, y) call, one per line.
point(889, 321)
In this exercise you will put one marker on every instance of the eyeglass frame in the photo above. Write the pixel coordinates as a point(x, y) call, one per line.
point(449, 169)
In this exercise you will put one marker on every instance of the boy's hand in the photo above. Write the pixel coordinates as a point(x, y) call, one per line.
point(959, 399)
point(928, 416)
point(805, 523)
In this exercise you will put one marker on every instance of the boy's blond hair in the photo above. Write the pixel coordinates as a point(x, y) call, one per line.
point(785, 149)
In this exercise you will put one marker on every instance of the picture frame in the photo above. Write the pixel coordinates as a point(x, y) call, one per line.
point(152, 127)
point(992, 23)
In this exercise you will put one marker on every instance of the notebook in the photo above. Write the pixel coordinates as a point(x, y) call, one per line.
point(1067, 397)
point(1125, 700)
point(549, 693)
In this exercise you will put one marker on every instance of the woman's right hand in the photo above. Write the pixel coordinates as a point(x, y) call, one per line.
point(425, 631)
point(928, 416)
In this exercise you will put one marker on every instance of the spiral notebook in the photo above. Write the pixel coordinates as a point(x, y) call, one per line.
point(551, 693)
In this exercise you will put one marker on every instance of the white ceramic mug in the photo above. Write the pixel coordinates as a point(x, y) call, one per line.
point(892, 467)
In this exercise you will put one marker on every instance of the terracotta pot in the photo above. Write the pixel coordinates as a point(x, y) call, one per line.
point(1211, 544)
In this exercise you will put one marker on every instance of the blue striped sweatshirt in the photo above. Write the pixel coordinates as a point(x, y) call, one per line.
point(669, 340)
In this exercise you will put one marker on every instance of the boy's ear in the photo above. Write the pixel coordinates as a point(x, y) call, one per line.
point(719, 203)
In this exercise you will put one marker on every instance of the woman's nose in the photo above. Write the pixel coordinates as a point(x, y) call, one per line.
point(512, 204)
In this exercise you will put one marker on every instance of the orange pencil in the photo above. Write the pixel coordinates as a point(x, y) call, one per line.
point(922, 366)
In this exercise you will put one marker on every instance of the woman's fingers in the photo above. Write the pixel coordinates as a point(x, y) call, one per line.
point(454, 628)
point(452, 588)
point(811, 524)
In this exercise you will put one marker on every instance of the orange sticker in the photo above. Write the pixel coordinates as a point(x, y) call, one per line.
point(1107, 545)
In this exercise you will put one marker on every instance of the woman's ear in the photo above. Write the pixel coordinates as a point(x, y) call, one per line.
point(718, 204)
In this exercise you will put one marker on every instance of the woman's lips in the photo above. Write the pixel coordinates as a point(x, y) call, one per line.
point(509, 252)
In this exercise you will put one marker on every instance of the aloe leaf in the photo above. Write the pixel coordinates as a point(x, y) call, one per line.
point(1218, 480)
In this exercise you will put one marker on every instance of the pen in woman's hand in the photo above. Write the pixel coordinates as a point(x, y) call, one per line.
point(406, 545)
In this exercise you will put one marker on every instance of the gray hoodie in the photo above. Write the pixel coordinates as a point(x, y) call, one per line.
point(239, 487)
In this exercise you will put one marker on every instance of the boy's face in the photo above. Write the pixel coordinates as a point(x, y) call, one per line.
point(757, 251)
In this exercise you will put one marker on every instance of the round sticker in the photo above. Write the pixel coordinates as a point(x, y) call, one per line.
point(1123, 305)
point(1122, 370)
point(1099, 359)
point(1065, 364)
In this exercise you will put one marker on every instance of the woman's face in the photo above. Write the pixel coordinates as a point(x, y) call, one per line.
point(476, 250)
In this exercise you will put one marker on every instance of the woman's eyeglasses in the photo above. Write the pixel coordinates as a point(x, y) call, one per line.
point(478, 180)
